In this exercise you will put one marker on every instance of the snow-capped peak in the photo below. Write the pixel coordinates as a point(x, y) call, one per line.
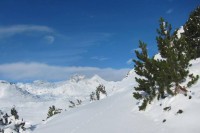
point(38, 82)
point(76, 78)
point(97, 78)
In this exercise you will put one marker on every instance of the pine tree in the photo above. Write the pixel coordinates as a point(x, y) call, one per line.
point(92, 96)
point(53, 111)
point(162, 77)
point(72, 104)
point(14, 113)
point(175, 55)
point(192, 33)
point(100, 89)
point(165, 37)
point(144, 68)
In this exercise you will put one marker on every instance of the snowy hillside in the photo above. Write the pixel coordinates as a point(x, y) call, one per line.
point(118, 112)
point(30, 97)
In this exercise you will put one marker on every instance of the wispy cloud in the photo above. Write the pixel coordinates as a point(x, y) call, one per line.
point(88, 38)
point(49, 38)
point(7, 31)
point(99, 58)
point(39, 71)
point(169, 11)
point(81, 39)
point(68, 48)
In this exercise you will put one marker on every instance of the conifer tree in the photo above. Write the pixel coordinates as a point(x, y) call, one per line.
point(192, 33)
point(161, 77)
point(92, 96)
point(175, 55)
point(14, 113)
point(100, 89)
point(144, 68)
point(53, 111)
point(165, 37)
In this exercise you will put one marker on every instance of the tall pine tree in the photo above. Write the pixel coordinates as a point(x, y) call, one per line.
point(192, 33)
point(175, 53)
point(161, 77)
point(144, 68)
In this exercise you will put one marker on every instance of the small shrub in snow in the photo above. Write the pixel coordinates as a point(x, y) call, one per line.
point(53, 111)
point(92, 96)
point(179, 111)
point(100, 91)
point(14, 113)
point(164, 121)
point(11, 123)
point(78, 101)
point(167, 108)
point(193, 80)
point(72, 104)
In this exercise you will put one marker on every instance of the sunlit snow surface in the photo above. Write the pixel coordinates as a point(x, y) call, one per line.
point(117, 113)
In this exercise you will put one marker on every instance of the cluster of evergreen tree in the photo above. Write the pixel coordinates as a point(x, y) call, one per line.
point(73, 104)
point(160, 77)
point(14, 112)
point(100, 91)
point(53, 111)
point(97, 95)
point(12, 123)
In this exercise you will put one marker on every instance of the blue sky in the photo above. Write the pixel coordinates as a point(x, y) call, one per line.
point(95, 34)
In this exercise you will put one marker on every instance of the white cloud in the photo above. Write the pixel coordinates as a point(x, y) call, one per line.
point(17, 29)
point(39, 71)
point(49, 39)
point(130, 61)
point(169, 11)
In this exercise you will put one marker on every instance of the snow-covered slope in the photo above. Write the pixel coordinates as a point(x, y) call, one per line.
point(32, 100)
point(118, 112)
